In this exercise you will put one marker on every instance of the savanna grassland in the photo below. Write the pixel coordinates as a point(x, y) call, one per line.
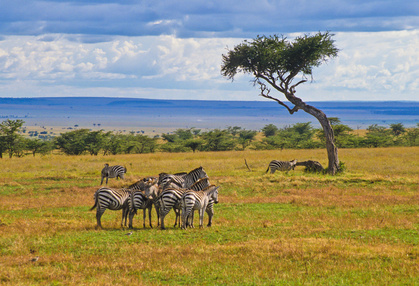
point(360, 227)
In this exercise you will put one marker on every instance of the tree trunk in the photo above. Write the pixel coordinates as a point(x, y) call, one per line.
point(332, 151)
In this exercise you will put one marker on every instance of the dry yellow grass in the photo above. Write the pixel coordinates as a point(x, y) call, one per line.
point(287, 228)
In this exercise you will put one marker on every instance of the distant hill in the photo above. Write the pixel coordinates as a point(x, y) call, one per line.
point(159, 113)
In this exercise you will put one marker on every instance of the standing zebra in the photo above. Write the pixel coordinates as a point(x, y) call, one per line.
point(138, 200)
point(113, 199)
point(197, 200)
point(116, 171)
point(281, 165)
point(201, 185)
point(170, 199)
point(116, 199)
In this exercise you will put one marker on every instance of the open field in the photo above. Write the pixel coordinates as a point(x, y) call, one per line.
point(360, 227)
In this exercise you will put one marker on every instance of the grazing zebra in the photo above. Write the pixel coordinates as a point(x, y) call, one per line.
point(138, 200)
point(182, 180)
point(197, 200)
point(113, 199)
point(281, 165)
point(116, 171)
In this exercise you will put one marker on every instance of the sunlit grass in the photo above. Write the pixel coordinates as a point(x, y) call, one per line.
point(295, 228)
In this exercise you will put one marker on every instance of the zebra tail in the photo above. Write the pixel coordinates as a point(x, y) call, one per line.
point(267, 169)
point(95, 205)
point(125, 168)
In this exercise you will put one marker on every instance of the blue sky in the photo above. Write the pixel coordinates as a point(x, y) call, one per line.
point(172, 49)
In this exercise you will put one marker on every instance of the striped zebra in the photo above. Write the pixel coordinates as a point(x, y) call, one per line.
point(170, 199)
point(138, 200)
point(281, 165)
point(200, 185)
point(113, 199)
point(116, 171)
point(116, 199)
point(197, 200)
point(182, 180)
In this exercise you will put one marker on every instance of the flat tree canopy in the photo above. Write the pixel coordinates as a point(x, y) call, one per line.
point(275, 62)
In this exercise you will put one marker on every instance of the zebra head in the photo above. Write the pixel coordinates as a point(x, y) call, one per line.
point(151, 188)
point(213, 194)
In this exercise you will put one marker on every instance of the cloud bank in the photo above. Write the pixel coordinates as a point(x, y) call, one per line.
point(173, 49)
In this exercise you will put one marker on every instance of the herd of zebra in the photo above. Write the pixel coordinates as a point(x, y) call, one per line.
point(182, 192)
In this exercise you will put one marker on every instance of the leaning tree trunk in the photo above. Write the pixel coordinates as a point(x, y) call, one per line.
point(332, 151)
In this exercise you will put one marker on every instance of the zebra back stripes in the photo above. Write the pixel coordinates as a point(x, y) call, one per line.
point(116, 171)
point(182, 180)
point(281, 165)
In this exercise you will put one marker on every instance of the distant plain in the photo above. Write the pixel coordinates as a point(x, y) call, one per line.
point(157, 116)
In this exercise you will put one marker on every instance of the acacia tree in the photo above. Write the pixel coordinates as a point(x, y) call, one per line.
point(275, 62)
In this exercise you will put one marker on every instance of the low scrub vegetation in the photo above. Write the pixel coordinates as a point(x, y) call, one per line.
point(358, 227)
point(15, 142)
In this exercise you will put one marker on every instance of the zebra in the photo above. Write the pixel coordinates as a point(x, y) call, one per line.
point(182, 180)
point(113, 199)
point(281, 165)
point(200, 185)
point(197, 200)
point(116, 199)
point(116, 171)
point(138, 200)
point(170, 198)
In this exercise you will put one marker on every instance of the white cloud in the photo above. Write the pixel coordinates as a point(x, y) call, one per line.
point(373, 66)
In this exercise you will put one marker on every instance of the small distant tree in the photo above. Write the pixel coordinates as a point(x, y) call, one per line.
point(234, 130)
point(218, 140)
point(194, 144)
point(269, 130)
point(397, 129)
point(378, 136)
point(9, 136)
point(246, 137)
point(73, 142)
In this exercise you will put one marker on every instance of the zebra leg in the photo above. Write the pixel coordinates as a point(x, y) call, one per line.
point(99, 214)
point(124, 215)
point(149, 214)
point(131, 216)
point(210, 215)
point(191, 219)
point(201, 217)
point(185, 215)
point(177, 219)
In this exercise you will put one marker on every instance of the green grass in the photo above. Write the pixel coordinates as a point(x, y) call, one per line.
point(357, 228)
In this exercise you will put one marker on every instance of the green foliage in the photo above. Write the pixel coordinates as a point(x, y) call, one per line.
point(274, 56)
point(218, 140)
point(269, 130)
point(10, 140)
point(297, 136)
point(73, 142)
